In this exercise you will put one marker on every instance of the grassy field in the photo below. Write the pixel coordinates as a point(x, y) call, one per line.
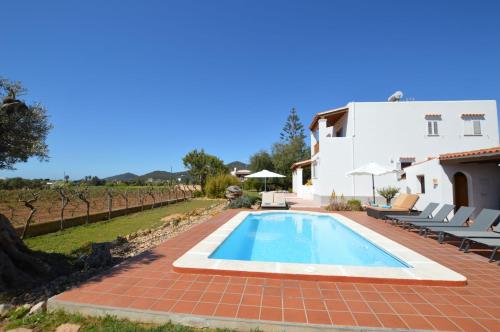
point(48, 322)
point(74, 238)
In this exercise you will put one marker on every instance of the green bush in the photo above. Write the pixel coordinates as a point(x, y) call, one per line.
point(198, 193)
point(216, 186)
point(354, 205)
point(241, 202)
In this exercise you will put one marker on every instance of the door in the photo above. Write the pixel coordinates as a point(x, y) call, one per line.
point(460, 190)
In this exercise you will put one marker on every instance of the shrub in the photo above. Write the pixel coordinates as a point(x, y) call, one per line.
point(216, 186)
point(354, 205)
point(337, 203)
point(241, 202)
point(198, 193)
point(388, 193)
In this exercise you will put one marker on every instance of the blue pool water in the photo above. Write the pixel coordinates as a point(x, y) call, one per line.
point(301, 238)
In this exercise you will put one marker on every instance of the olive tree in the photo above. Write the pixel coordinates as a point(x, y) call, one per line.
point(23, 130)
point(24, 127)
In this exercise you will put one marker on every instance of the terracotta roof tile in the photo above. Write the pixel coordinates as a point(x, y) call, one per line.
point(469, 153)
point(472, 114)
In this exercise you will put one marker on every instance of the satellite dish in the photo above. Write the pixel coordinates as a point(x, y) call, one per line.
point(396, 96)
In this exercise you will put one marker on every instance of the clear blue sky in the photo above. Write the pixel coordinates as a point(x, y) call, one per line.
point(134, 85)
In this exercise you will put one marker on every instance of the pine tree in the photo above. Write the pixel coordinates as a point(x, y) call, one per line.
point(293, 128)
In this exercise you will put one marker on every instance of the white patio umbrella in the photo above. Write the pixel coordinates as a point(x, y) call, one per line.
point(265, 174)
point(372, 169)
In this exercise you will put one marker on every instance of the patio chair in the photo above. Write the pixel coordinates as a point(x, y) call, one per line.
point(458, 219)
point(275, 200)
point(440, 217)
point(425, 214)
point(267, 199)
point(493, 243)
point(484, 220)
point(403, 204)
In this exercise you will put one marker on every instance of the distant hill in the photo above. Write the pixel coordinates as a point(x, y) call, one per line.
point(237, 164)
point(164, 175)
point(122, 177)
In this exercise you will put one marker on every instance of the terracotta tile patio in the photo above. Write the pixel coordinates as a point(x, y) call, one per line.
point(148, 283)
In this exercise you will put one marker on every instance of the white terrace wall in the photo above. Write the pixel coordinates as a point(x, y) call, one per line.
point(483, 183)
point(382, 132)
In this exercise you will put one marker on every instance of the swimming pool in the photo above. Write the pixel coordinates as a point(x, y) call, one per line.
point(301, 238)
point(306, 245)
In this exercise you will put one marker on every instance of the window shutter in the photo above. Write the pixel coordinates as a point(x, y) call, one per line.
point(476, 127)
point(468, 130)
point(436, 128)
point(429, 128)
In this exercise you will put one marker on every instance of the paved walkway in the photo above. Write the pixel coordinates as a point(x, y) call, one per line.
point(146, 287)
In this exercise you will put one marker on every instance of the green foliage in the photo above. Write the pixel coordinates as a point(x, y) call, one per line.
point(216, 186)
point(202, 165)
point(20, 183)
point(286, 154)
point(49, 321)
point(23, 127)
point(198, 193)
point(339, 203)
point(354, 205)
point(241, 203)
point(293, 128)
point(260, 161)
point(388, 193)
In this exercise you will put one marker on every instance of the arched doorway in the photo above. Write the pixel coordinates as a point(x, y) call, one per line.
point(460, 190)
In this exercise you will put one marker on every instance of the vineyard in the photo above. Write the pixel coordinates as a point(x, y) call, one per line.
point(38, 206)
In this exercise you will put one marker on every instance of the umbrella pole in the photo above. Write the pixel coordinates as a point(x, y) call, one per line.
point(265, 184)
point(373, 188)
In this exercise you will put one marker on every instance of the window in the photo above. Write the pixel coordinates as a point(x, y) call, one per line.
point(403, 163)
point(472, 127)
point(433, 124)
point(432, 128)
point(473, 124)
point(421, 180)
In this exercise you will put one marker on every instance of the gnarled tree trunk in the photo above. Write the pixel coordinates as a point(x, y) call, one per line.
point(19, 268)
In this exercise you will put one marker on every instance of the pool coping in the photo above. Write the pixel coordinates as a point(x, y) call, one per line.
point(423, 271)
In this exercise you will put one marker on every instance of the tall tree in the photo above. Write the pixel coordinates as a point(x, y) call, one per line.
point(23, 127)
point(292, 147)
point(261, 160)
point(293, 128)
point(202, 165)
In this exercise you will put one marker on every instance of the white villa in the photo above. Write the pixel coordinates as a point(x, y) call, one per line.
point(411, 136)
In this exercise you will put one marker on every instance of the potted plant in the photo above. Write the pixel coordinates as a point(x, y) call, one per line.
point(388, 193)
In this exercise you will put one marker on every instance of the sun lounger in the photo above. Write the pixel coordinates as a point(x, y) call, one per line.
point(440, 217)
point(493, 243)
point(267, 199)
point(273, 200)
point(425, 214)
point(403, 204)
point(458, 219)
point(279, 200)
point(484, 220)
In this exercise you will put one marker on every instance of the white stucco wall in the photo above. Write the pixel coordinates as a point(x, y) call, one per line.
point(483, 182)
point(382, 132)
